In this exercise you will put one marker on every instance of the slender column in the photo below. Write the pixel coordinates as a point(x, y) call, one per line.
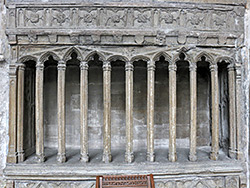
point(232, 111)
point(61, 156)
point(12, 155)
point(172, 113)
point(39, 113)
point(107, 112)
point(215, 111)
point(84, 111)
point(238, 113)
point(193, 112)
point(129, 156)
point(20, 112)
point(150, 111)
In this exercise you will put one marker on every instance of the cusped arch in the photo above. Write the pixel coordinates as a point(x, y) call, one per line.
point(177, 58)
point(67, 55)
point(227, 59)
point(27, 58)
point(46, 56)
point(90, 56)
point(117, 57)
point(167, 57)
point(140, 57)
point(209, 57)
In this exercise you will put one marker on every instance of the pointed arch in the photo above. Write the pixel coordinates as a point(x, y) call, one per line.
point(91, 55)
point(67, 55)
point(27, 58)
point(118, 57)
point(140, 57)
point(188, 58)
point(46, 56)
point(227, 59)
point(167, 57)
point(209, 57)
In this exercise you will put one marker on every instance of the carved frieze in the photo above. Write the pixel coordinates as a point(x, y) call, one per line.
point(129, 18)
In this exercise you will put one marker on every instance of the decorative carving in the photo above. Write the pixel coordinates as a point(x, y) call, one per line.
point(116, 18)
point(38, 184)
point(142, 18)
point(60, 17)
point(34, 17)
point(88, 17)
point(160, 37)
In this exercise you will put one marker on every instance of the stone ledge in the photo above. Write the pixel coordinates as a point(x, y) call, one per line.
point(90, 171)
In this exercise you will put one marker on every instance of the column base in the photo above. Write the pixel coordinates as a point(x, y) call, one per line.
point(106, 158)
point(214, 156)
point(129, 157)
point(232, 154)
point(172, 158)
point(20, 157)
point(61, 158)
point(12, 158)
point(84, 158)
point(40, 158)
point(192, 157)
point(150, 157)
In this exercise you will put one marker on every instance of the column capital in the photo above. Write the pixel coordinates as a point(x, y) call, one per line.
point(213, 67)
point(84, 65)
point(106, 66)
point(230, 67)
point(22, 67)
point(12, 70)
point(129, 66)
point(61, 65)
point(193, 68)
point(172, 67)
point(39, 66)
point(151, 66)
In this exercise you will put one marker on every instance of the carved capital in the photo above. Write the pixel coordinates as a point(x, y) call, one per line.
point(230, 68)
point(129, 66)
point(39, 66)
point(61, 65)
point(172, 68)
point(21, 67)
point(193, 68)
point(12, 70)
point(213, 68)
point(106, 66)
point(151, 66)
point(84, 65)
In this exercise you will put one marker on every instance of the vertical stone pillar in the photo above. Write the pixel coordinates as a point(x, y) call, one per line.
point(12, 151)
point(20, 112)
point(193, 112)
point(129, 156)
point(61, 156)
point(107, 112)
point(84, 112)
point(150, 111)
point(238, 113)
point(39, 113)
point(172, 112)
point(232, 111)
point(215, 111)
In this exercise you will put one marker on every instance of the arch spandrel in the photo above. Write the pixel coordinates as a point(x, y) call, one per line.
point(188, 58)
point(140, 57)
point(67, 55)
point(46, 56)
point(27, 58)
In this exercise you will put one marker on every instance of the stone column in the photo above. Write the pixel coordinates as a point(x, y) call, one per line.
point(39, 113)
point(84, 111)
point(61, 156)
point(193, 112)
point(129, 156)
point(107, 112)
point(238, 113)
point(232, 111)
point(215, 111)
point(20, 112)
point(150, 110)
point(12, 151)
point(172, 112)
